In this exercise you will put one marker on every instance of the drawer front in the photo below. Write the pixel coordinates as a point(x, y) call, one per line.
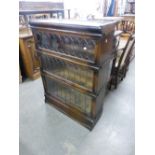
point(68, 95)
point(67, 44)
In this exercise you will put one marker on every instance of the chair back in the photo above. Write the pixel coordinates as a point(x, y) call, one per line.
point(127, 26)
point(125, 56)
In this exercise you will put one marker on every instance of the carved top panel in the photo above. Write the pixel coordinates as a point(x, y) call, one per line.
point(76, 46)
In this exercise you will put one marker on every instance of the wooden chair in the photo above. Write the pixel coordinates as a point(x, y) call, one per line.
point(127, 26)
point(121, 62)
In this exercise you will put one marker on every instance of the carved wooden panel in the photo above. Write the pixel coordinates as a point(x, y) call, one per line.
point(83, 48)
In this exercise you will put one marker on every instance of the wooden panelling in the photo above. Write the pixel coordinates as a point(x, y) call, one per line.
point(29, 56)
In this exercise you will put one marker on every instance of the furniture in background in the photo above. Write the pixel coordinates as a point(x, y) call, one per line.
point(76, 59)
point(121, 63)
point(28, 54)
point(128, 28)
point(27, 15)
point(26, 40)
point(40, 5)
point(31, 9)
point(124, 51)
point(129, 17)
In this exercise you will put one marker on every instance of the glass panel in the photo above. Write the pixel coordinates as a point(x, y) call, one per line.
point(69, 96)
point(69, 71)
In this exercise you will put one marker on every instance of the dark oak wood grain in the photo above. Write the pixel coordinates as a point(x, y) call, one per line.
point(76, 59)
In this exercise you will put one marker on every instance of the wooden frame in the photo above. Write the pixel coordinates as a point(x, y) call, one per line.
point(123, 56)
point(76, 61)
point(28, 54)
point(119, 71)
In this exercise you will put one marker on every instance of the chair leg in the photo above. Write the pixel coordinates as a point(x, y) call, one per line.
point(122, 75)
point(125, 71)
point(116, 82)
point(116, 86)
point(109, 85)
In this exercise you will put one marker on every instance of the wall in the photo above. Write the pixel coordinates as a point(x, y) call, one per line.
point(84, 7)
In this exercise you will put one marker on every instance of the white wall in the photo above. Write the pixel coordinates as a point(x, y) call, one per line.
point(84, 7)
